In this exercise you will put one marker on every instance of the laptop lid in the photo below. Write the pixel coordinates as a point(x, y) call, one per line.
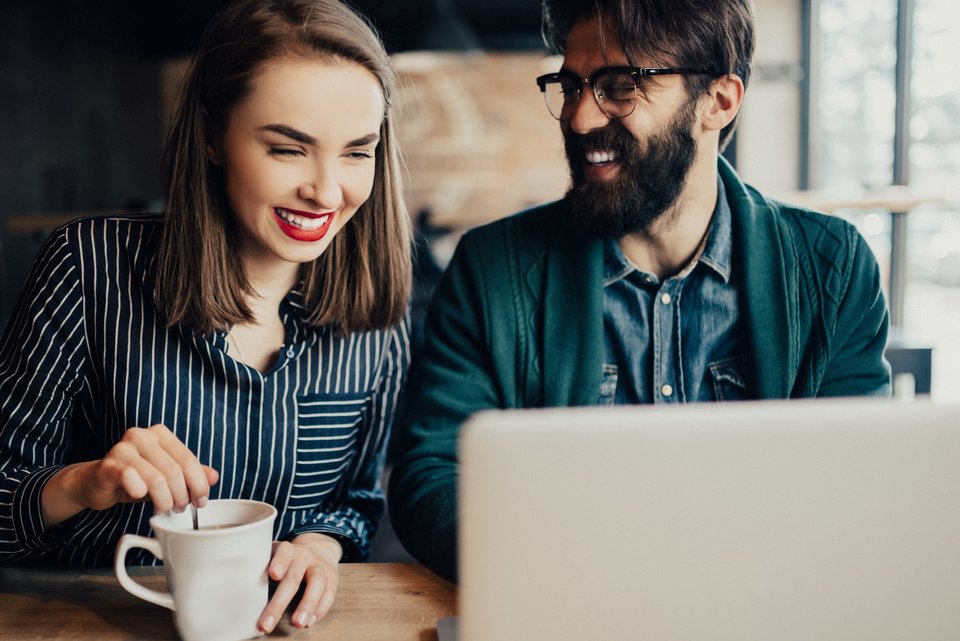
point(827, 520)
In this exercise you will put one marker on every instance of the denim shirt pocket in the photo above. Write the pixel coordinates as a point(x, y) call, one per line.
point(328, 430)
point(733, 378)
point(608, 388)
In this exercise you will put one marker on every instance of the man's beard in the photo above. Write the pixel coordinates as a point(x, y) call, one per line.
point(649, 181)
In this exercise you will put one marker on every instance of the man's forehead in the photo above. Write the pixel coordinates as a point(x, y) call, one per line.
point(590, 47)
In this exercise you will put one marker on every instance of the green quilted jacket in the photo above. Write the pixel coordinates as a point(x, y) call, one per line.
point(517, 321)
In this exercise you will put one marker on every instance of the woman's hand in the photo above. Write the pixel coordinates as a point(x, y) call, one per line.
point(147, 464)
point(314, 558)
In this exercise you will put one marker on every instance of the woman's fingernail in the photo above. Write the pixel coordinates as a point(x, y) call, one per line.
point(313, 621)
point(268, 623)
point(302, 618)
point(202, 501)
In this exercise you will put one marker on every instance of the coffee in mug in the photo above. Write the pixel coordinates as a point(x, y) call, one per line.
point(217, 574)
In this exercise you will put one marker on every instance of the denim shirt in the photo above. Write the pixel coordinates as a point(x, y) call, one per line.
point(681, 339)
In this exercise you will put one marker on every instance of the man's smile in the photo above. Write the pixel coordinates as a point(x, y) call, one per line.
point(601, 157)
point(601, 164)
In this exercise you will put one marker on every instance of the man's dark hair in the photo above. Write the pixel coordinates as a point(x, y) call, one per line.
point(706, 34)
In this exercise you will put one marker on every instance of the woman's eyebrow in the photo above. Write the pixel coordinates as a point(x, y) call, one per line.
point(363, 141)
point(291, 133)
point(307, 139)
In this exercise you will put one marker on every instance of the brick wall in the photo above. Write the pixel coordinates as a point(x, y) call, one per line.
point(477, 138)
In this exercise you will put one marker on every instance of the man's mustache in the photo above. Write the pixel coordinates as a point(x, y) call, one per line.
point(613, 138)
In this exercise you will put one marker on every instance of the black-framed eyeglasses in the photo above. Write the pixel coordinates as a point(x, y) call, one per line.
point(614, 88)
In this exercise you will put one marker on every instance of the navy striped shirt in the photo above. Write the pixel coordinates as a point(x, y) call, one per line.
point(86, 356)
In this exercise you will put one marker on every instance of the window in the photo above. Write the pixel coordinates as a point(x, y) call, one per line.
point(856, 104)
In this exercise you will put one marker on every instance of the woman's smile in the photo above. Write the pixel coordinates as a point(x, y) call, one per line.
point(303, 225)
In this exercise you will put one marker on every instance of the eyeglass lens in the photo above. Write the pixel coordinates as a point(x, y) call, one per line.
point(615, 93)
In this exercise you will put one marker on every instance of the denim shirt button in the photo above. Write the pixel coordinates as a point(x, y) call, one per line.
point(667, 390)
point(665, 299)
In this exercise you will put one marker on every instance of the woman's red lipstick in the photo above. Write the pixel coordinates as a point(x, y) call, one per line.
point(299, 225)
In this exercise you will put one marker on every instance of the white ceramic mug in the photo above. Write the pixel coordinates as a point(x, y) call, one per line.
point(217, 575)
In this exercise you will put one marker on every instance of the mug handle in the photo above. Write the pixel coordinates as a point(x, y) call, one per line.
point(128, 542)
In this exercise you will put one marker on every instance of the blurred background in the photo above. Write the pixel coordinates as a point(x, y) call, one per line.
point(854, 109)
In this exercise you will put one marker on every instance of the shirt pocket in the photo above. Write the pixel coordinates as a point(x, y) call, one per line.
point(608, 388)
point(328, 432)
point(733, 378)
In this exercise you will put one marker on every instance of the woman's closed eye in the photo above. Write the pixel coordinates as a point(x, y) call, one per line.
point(359, 154)
point(285, 151)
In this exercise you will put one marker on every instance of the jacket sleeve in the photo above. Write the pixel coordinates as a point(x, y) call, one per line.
point(452, 378)
point(856, 366)
point(42, 358)
point(352, 518)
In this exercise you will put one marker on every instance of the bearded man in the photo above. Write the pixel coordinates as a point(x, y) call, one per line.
point(660, 277)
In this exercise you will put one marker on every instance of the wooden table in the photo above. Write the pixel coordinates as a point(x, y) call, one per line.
point(376, 601)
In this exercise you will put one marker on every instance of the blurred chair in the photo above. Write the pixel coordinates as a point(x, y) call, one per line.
point(908, 358)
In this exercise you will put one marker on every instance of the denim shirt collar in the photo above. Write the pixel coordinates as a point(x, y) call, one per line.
point(717, 251)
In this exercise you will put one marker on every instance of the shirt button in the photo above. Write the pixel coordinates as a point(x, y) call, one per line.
point(667, 390)
point(290, 352)
point(665, 299)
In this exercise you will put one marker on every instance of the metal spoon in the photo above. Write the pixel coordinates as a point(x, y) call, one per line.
point(193, 513)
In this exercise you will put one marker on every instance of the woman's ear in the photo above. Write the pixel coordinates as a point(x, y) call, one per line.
point(723, 102)
point(213, 142)
point(213, 154)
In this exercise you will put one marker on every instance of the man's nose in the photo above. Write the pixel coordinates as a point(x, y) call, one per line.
point(585, 114)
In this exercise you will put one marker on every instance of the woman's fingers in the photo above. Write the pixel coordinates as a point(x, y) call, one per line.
point(195, 477)
point(164, 477)
point(121, 476)
point(323, 574)
point(292, 565)
point(283, 553)
point(287, 567)
point(212, 475)
point(318, 596)
point(305, 613)
point(150, 464)
point(133, 485)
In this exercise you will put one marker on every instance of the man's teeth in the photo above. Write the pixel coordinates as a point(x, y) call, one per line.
point(600, 157)
point(308, 224)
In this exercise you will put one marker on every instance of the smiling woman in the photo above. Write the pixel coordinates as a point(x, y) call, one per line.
point(251, 342)
point(295, 174)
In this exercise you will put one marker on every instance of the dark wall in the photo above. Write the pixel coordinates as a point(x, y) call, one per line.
point(80, 121)
point(80, 105)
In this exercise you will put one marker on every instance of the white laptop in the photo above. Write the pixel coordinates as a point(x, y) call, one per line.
point(799, 521)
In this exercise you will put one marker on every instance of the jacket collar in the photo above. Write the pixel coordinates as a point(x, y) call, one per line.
point(763, 260)
point(573, 316)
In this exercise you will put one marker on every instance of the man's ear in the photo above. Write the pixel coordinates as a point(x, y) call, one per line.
point(723, 102)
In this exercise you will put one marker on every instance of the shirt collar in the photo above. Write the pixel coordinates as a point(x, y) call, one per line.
point(716, 252)
point(295, 304)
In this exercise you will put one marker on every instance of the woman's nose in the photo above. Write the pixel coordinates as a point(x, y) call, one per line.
point(322, 188)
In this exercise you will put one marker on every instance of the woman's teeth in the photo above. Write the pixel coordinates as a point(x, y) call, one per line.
point(307, 224)
point(600, 157)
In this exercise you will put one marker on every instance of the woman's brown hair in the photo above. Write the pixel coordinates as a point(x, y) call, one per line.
point(363, 280)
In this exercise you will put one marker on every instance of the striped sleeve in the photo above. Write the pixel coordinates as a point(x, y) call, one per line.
point(353, 517)
point(42, 358)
